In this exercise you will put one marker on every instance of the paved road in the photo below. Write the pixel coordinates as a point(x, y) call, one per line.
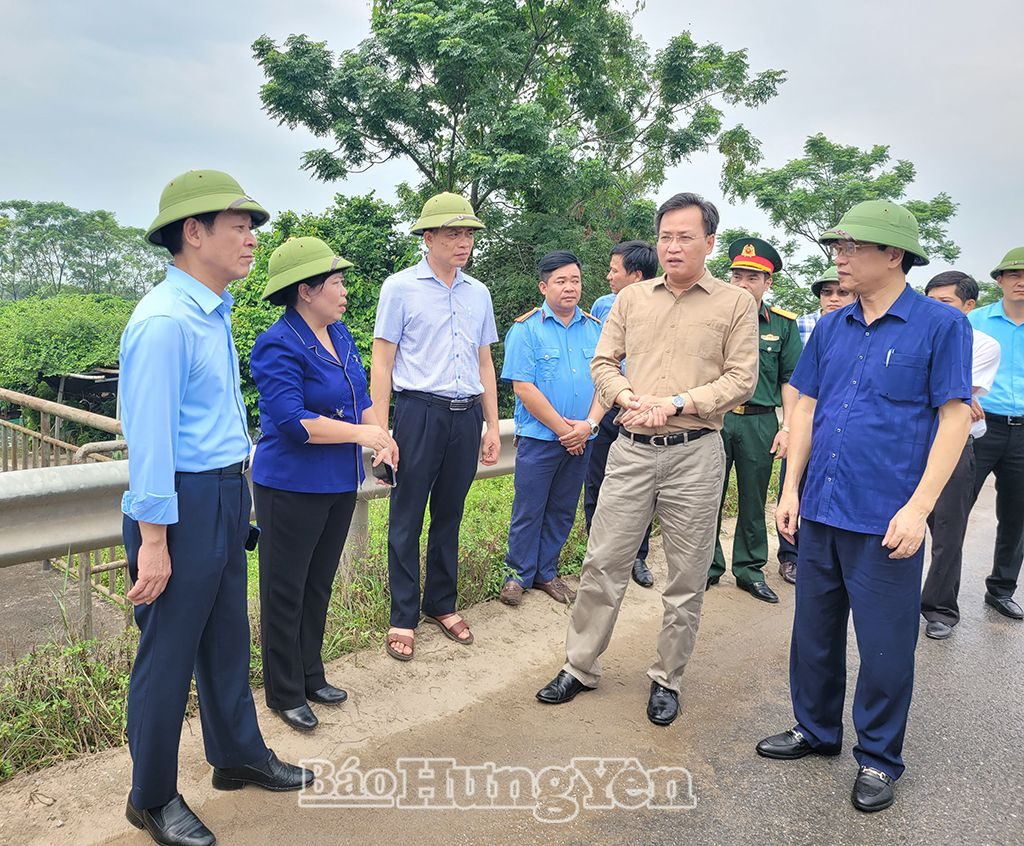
point(964, 750)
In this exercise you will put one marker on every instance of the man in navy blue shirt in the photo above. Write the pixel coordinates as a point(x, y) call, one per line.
point(187, 510)
point(885, 388)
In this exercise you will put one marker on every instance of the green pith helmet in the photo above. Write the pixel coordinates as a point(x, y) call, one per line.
point(880, 222)
point(446, 209)
point(749, 253)
point(298, 259)
point(1013, 260)
point(200, 191)
point(830, 274)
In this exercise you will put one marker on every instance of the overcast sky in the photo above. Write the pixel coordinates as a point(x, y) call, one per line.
point(103, 102)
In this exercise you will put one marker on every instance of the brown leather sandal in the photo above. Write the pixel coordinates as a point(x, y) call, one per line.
point(405, 640)
point(455, 630)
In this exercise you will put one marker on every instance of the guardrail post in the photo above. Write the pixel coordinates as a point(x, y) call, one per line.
point(85, 593)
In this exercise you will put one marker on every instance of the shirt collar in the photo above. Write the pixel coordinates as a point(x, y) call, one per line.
point(301, 328)
point(202, 296)
point(901, 308)
point(425, 271)
point(577, 315)
point(707, 281)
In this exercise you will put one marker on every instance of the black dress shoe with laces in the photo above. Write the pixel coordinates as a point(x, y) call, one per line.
point(788, 746)
point(663, 706)
point(642, 574)
point(760, 590)
point(270, 774)
point(328, 695)
point(562, 688)
point(1005, 606)
point(872, 791)
point(300, 719)
point(173, 824)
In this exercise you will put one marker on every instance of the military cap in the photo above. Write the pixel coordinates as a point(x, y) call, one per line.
point(754, 254)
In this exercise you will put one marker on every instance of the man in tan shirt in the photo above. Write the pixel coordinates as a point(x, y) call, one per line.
point(692, 343)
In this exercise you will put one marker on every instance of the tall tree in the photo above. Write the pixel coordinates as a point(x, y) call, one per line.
point(808, 195)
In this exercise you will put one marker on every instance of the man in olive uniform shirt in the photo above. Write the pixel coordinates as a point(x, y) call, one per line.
point(751, 433)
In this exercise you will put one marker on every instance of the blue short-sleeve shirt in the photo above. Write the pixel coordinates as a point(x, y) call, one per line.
point(438, 330)
point(1007, 394)
point(878, 389)
point(539, 348)
point(298, 379)
point(602, 305)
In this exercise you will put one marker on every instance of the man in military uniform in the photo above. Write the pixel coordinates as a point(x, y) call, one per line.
point(751, 433)
point(547, 358)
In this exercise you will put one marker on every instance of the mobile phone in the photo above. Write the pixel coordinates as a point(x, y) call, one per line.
point(385, 472)
point(254, 537)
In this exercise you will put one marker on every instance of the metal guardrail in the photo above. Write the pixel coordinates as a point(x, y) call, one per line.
point(56, 511)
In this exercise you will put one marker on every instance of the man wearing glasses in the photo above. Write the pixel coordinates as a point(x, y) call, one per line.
point(431, 344)
point(885, 389)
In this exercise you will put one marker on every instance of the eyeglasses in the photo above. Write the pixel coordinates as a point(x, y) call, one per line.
point(847, 248)
point(682, 240)
point(454, 235)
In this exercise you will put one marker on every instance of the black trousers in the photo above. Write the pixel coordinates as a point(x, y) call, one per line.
point(606, 434)
point(440, 452)
point(1001, 451)
point(300, 548)
point(948, 525)
point(199, 625)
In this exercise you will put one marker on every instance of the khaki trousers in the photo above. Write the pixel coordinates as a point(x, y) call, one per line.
point(682, 484)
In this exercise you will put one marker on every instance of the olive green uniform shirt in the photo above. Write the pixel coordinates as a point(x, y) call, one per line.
point(779, 347)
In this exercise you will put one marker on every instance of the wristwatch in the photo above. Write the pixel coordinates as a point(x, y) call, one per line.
point(678, 401)
point(593, 426)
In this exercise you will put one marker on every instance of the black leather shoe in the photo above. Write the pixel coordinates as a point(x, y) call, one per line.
point(787, 569)
point(937, 630)
point(1005, 606)
point(712, 581)
point(173, 824)
point(270, 774)
point(328, 695)
point(663, 706)
point(562, 688)
point(788, 746)
point(872, 791)
point(760, 590)
point(642, 574)
point(300, 719)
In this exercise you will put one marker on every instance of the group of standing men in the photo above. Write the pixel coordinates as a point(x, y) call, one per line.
point(676, 377)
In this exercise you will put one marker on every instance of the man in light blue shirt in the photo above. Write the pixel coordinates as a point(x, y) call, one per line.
point(186, 522)
point(547, 359)
point(1001, 451)
point(629, 262)
point(431, 344)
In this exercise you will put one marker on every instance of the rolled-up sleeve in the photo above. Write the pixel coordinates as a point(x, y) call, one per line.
point(278, 372)
point(154, 373)
point(739, 374)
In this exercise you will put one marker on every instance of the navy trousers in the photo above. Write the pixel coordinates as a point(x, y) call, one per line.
point(439, 451)
point(606, 434)
point(842, 571)
point(548, 481)
point(199, 625)
point(788, 551)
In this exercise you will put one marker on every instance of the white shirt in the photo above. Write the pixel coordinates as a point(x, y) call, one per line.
point(983, 372)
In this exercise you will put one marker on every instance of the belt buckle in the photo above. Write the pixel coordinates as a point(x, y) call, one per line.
point(458, 405)
point(1012, 420)
point(659, 440)
point(740, 409)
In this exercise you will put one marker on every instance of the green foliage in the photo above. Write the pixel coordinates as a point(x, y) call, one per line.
point(50, 248)
point(808, 195)
point(50, 336)
point(989, 292)
point(363, 230)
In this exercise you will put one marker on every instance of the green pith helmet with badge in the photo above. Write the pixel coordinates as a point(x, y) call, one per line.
point(749, 253)
point(446, 209)
point(830, 274)
point(298, 259)
point(880, 222)
point(199, 192)
point(1013, 260)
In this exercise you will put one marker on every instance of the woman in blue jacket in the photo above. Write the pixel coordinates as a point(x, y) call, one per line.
point(315, 417)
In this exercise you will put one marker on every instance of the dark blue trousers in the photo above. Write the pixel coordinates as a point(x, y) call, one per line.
point(548, 481)
point(599, 446)
point(439, 451)
point(199, 625)
point(842, 571)
point(788, 551)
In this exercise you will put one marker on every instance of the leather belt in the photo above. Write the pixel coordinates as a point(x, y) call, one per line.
point(1005, 419)
point(444, 402)
point(666, 440)
point(752, 409)
point(236, 469)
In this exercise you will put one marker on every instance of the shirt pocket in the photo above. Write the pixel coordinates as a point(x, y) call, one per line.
point(548, 362)
point(704, 339)
point(768, 353)
point(905, 378)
